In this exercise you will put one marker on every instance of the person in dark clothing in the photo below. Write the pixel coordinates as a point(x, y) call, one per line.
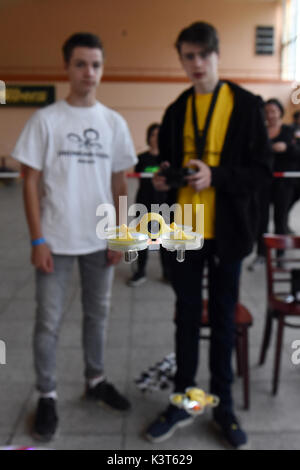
point(296, 124)
point(148, 195)
point(296, 128)
point(281, 191)
point(232, 161)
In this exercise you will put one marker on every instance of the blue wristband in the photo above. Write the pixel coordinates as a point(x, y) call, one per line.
point(38, 241)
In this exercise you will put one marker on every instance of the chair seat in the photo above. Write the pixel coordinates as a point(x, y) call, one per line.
point(280, 304)
point(242, 315)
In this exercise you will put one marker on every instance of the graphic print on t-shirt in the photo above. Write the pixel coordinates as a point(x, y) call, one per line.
point(86, 145)
point(89, 135)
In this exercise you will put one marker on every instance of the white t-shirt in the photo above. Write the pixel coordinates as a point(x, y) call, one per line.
point(77, 149)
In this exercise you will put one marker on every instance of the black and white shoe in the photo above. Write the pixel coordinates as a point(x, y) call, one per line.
point(46, 420)
point(137, 279)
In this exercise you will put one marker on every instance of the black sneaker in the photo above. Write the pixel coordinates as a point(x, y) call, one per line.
point(105, 393)
point(167, 423)
point(46, 420)
point(137, 279)
point(231, 429)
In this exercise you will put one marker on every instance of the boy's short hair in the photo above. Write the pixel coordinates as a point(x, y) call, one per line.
point(150, 129)
point(80, 40)
point(277, 103)
point(200, 33)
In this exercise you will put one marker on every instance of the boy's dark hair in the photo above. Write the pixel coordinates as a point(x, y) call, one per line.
point(80, 40)
point(277, 103)
point(200, 33)
point(150, 129)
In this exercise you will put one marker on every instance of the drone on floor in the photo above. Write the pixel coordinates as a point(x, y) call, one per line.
point(173, 237)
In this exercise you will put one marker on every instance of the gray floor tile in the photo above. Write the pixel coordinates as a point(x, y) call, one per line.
point(27, 291)
point(19, 366)
point(275, 441)
point(140, 333)
point(8, 288)
point(265, 372)
point(69, 364)
point(152, 334)
point(153, 290)
point(71, 442)
point(152, 311)
point(118, 333)
point(12, 397)
point(19, 310)
point(120, 290)
point(269, 413)
point(86, 418)
point(3, 305)
point(120, 310)
point(16, 274)
point(4, 439)
point(16, 333)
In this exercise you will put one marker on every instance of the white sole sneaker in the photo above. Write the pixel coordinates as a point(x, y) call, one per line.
point(137, 283)
point(164, 437)
point(217, 427)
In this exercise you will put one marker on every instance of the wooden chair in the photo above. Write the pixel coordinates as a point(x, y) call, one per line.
point(280, 304)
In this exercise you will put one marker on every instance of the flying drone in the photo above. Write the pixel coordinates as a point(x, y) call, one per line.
point(173, 237)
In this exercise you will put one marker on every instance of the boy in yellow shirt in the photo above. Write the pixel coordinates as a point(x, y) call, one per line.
point(218, 129)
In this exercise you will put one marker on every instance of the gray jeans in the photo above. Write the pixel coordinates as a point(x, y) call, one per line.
point(96, 282)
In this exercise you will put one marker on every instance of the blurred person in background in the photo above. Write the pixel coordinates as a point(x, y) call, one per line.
point(280, 191)
point(147, 195)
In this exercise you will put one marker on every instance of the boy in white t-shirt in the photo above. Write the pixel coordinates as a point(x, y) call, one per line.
point(78, 150)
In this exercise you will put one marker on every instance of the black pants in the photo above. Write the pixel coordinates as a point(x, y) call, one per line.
point(282, 194)
point(186, 279)
point(164, 259)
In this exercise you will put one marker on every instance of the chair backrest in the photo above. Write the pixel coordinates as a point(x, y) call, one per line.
point(281, 242)
point(280, 268)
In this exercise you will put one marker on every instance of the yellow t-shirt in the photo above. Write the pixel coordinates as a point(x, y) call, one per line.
point(212, 152)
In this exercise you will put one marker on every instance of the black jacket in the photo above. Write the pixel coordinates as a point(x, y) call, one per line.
point(288, 160)
point(245, 164)
point(147, 194)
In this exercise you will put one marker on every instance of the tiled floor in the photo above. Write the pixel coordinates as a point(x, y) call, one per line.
point(140, 334)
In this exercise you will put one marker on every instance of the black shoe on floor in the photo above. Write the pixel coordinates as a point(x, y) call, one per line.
point(137, 279)
point(105, 393)
point(46, 420)
point(166, 424)
point(231, 429)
